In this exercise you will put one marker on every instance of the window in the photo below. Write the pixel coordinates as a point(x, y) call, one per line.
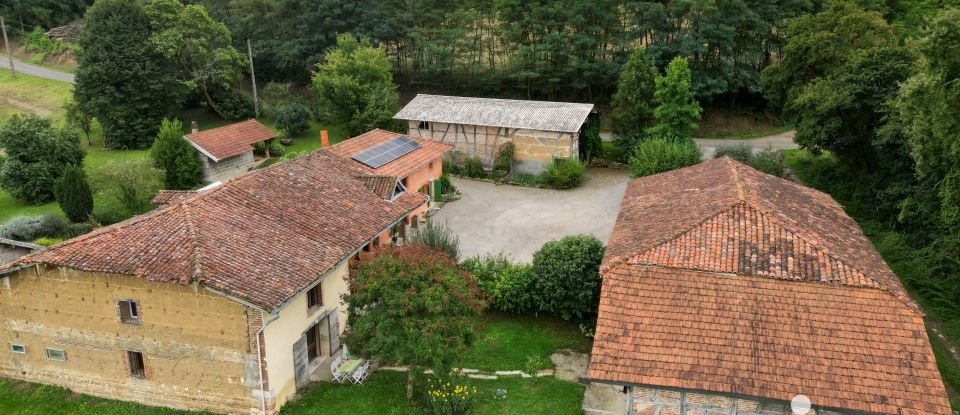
point(315, 297)
point(423, 125)
point(18, 348)
point(129, 311)
point(56, 354)
point(137, 368)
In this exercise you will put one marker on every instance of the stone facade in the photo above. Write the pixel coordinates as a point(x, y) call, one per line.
point(534, 150)
point(226, 169)
point(11, 250)
point(651, 401)
point(195, 344)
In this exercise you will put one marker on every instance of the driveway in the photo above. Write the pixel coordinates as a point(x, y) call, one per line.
point(517, 221)
point(34, 70)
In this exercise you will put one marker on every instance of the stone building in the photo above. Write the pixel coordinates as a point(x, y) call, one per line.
point(225, 300)
point(11, 249)
point(227, 152)
point(413, 162)
point(729, 291)
point(540, 131)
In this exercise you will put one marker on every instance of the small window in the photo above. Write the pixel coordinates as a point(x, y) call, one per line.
point(315, 297)
point(18, 348)
point(129, 311)
point(423, 125)
point(56, 354)
point(137, 369)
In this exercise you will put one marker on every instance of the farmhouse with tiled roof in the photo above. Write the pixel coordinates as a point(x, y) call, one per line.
point(726, 290)
point(223, 300)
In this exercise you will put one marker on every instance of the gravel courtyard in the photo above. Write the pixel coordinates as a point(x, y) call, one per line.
point(518, 220)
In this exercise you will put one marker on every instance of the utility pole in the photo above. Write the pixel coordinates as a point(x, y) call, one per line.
point(6, 43)
point(253, 78)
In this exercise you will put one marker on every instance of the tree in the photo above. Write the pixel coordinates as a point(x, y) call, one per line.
point(567, 276)
point(36, 155)
point(176, 157)
point(123, 81)
point(412, 306)
point(634, 101)
point(293, 118)
point(200, 46)
point(355, 85)
point(73, 194)
point(79, 119)
point(677, 110)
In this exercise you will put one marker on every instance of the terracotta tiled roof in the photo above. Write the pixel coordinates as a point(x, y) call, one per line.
point(230, 140)
point(166, 197)
point(399, 168)
point(720, 278)
point(262, 237)
point(382, 186)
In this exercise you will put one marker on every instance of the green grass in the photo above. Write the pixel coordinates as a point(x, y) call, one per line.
point(384, 393)
point(21, 398)
point(506, 340)
point(29, 94)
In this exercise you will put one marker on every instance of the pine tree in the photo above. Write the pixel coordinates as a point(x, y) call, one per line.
point(73, 194)
point(176, 157)
point(677, 111)
point(123, 81)
point(633, 103)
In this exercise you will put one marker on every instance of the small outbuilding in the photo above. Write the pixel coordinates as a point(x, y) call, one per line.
point(540, 130)
point(227, 152)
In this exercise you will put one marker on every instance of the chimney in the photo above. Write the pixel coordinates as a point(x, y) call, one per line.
point(324, 139)
point(194, 128)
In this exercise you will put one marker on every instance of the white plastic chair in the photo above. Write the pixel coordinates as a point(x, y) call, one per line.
point(338, 376)
point(361, 373)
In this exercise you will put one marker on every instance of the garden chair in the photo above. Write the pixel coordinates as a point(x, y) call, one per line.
point(361, 373)
point(338, 376)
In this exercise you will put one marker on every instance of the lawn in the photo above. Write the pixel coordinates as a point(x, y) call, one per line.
point(21, 398)
point(30, 94)
point(506, 340)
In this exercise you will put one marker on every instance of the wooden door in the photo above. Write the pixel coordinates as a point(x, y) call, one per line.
point(301, 362)
point(334, 319)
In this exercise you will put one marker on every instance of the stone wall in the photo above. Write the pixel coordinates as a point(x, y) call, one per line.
point(534, 149)
point(650, 401)
point(195, 344)
point(228, 168)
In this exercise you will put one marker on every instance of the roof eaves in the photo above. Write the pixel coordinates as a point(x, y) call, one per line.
point(201, 149)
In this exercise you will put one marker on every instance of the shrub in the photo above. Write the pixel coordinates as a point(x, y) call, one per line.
point(131, 183)
point(27, 229)
point(473, 167)
point(439, 237)
point(445, 398)
point(504, 161)
point(176, 157)
point(277, 149)
point(658, 155)
point(739, 152)
point(563, 174)
point(527, 179)
point(567, 280)
point(47, 241)
point(770, 161)
point(486, 270)
point(38, 42)
point(73, 194)
point(108, 215)
point(36, 155)
point(508, 286)
point(446, 185)
point(74, 230)
point(259, 148)
point(293, 118)
point(235, 104)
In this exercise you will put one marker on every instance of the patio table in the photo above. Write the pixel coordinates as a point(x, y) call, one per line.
point(348, 366)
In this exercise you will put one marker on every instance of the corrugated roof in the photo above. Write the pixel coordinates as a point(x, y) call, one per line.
point(509, 113)
point(262, 237)
point(720, 278)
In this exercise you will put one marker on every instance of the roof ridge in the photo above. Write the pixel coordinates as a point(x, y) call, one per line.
point(195, 244)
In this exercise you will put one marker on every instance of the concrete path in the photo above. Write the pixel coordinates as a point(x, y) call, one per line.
point(34, 70)
point(517, 221)
point(780, 141)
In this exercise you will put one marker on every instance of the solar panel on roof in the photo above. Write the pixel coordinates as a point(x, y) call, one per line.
point(384, 153)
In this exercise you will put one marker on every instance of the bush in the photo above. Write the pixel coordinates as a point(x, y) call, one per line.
point(176, 157)
point(439, 237)
point(658, 155)
point(73, 194)
point(235, 104)
point(563, 174)
point(473, 167)
point(770, 161)
point(36, 155)
point(130, 183)
point(38, 42)
point(446, 398)
point(508, 286)
point(108, 215)
point(451, 164)
point(277, 149)
point(259, 148)
point(739, 152)
point(567, 280)
point(74, 230)
point(446, 186)
point(504, 161)
point(527, 179)
point(27, 229)
point(47, 241)
point(293, 118)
